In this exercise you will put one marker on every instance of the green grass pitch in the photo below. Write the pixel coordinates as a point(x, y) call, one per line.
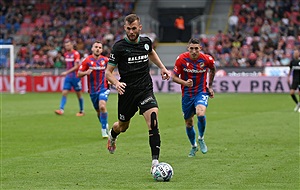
point(252, 139)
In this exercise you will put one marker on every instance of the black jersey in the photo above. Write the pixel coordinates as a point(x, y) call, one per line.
point(295, 67)
point(133, 62)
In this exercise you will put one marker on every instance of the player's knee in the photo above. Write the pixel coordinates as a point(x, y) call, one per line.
point(200, 112)
point(123, 127)
point(102, 108)
point(189, 122)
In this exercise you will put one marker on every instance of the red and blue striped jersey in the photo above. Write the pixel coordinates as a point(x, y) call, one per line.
point(197, 70)
point(96, 80)
point(71, 58)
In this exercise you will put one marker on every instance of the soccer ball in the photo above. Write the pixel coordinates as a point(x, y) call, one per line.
point(162, 172)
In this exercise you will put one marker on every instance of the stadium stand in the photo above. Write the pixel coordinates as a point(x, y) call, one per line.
point(266, 34)
point(38, 28)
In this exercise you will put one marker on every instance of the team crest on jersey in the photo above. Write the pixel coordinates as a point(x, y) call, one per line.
point(146, 47)
point(201, 64)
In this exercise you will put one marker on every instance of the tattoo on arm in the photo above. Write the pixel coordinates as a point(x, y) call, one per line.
point(212, 73)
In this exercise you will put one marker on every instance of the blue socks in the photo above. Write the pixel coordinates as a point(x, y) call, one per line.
point(81, 104)
point(191, 135)
point(103, 119)
point(63, 102)
point(201, 125)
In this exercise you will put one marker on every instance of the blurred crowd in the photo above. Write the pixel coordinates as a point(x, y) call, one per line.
point(44, 25)
point(260, 33)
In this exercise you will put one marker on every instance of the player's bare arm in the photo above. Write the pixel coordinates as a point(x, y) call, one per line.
point(188, 83)
point(83, 73)
point(212, 73)
point(120, 86)
point(165, 74)
point(289, 76)
point(76, 66)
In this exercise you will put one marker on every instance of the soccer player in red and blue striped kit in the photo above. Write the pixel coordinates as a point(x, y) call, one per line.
point(190, 71)
point(94, 67)
point(72, 59)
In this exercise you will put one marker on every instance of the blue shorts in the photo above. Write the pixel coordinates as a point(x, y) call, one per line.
point(96, 97)
point(72, 82)
point(189, 104)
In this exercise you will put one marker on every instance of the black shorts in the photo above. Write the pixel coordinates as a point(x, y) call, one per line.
point(134, 99)
point(295, 85)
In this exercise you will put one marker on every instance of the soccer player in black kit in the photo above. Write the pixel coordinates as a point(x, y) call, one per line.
point(295, 69)
point(135, 88)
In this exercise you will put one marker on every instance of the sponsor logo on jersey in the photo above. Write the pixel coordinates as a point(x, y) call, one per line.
point(137, 59)
point(97, 68)
point(94, 65)
point(193, 70)
point(69, 59)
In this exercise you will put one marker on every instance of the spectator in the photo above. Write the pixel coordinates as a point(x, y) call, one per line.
point(21, 63)
point(226, 45)
point(39, 60)
point(279, 51)
point(269, 12)
point(291, 29)
point(295, 16)
point(3, 60)
point(265, 28)
point(252, 59)
point(275, 18)
point(233, 22)
point(180, 27)
point(80, 45)
point(270, 3)
point(196, 34)
point(219, 37)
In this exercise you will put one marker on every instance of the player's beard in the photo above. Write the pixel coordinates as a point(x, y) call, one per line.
point(132, 37)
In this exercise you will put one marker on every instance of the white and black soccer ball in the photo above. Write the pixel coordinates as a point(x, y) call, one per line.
point(162, 172)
